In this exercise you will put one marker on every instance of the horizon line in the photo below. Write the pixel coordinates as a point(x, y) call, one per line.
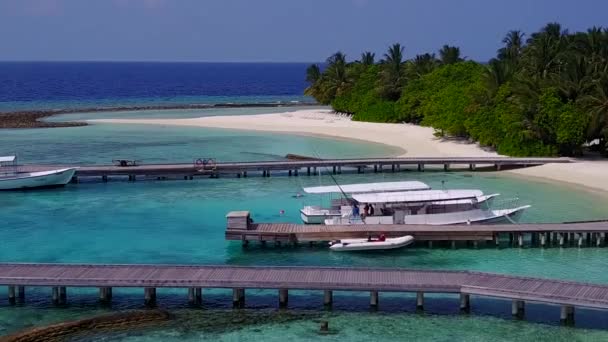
point(151, 61)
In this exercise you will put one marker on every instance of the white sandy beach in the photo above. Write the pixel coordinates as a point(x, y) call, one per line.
point(415, 141)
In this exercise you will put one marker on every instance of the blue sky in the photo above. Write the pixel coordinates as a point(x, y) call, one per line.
point(271, 30)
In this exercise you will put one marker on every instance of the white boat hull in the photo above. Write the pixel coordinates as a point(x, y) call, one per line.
point(477, 216)
point(43, 179)
point(365, 245)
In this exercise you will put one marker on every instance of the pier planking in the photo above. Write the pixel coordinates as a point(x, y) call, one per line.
point(240, 227)
point(292, 167)
point(568, 294)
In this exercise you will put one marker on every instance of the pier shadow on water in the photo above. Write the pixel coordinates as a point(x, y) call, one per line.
point(349, 318)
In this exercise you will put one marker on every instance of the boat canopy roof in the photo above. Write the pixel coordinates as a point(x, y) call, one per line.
point(368, 187)
point(7, 159)
point(417, 196)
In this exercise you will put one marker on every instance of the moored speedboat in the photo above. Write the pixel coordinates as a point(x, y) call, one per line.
point(369, 244)
point(12, 179)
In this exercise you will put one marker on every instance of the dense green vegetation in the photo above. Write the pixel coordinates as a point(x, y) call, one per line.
point(544, 95)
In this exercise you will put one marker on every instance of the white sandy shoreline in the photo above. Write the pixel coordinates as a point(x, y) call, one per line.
point(414, 141)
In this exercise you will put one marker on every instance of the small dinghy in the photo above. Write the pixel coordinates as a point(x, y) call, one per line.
point(368, 245)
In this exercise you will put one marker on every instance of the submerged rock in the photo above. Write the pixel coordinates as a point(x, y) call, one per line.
point(90, 326)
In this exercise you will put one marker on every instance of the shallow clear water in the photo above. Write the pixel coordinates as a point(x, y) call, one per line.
point(101, 143)
point(183, 222)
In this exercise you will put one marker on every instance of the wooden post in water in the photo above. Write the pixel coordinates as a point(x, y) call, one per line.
point(195, 295)
point(472, 167)
point(465, 302)
point(566, 316)
point(55, 295)
point(105, 294)
point(420, 167)
point(283, 298)
point(517, 308)
point(520, 239)
point(446, 167)
point(373, 299)
point(543, 239)
point(327, 298)
point(238, 298)
point(11, 294)
point(419, 300)
point(149, 296)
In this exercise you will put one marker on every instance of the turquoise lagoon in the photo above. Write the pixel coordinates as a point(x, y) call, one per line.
point(182, 222)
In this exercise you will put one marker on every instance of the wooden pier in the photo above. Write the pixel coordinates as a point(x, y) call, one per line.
point(240, 227)
point(294, 168)
point(59, 277)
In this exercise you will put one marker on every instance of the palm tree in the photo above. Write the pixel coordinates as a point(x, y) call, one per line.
point(392, 77)
point(336, 79)
point(313, 74)
point(450, 55)
point(423, 64)
point(597, 105)
point(367, 58)
point(545, 51)
point(514, 43)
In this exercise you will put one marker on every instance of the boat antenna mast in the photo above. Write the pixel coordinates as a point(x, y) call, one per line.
point(330, 174)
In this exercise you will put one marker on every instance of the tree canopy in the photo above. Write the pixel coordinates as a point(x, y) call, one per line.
point(545, 93)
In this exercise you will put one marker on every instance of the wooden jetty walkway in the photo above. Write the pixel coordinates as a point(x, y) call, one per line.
point(240, 227)
point(58, 277)
point(293, 168)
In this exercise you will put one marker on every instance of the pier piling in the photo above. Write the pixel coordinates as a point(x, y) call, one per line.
point(195, 295)
point(566, 316)
point(238, 298)
point(150, 296)
point(55, 295)
point(283, 298)
point(11, 294)
point(465, 302)
point(105, 294)
point(373, 299)
point(327, 297)
point(517, 308)
point(419, 300)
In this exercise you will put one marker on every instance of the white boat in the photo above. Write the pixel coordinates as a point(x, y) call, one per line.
point(12, 179)
point(400, 216)
point(312, 214)
point(428, 207)
point(367, 245)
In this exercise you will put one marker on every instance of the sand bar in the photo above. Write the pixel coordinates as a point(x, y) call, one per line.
point(415, 141)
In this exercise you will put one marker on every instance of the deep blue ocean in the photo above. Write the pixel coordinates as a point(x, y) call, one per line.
point(49, 85)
